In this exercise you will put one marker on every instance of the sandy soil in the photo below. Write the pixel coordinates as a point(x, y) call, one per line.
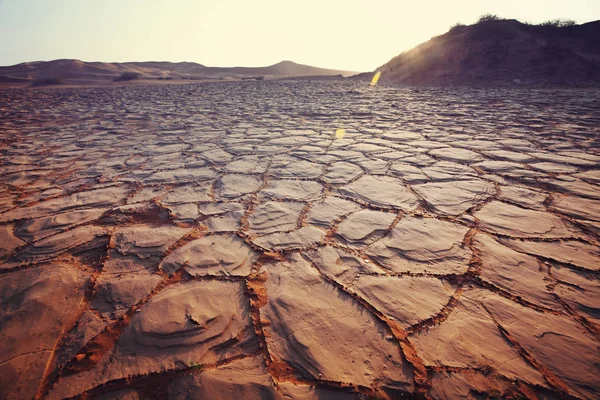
point(220, 241)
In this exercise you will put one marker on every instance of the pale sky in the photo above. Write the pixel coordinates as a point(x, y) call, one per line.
point(357, 35)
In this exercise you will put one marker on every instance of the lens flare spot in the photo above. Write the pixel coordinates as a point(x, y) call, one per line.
point(340, 133)
point(375, 78)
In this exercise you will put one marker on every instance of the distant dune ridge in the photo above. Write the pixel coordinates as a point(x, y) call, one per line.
point(77, 70)
point(502, 52)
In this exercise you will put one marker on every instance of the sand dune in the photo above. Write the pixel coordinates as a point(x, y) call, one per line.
point(76, 70)
point(502, 52)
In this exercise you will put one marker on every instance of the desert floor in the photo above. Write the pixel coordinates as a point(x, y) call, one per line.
point(221, 241)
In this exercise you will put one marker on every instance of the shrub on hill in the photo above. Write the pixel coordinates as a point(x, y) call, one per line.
point(456, 26)
point(488, 17)
point(559, 23)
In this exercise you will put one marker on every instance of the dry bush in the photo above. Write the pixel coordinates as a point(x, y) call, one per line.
point(456, 26)
point(488, 17)
point(559, 23)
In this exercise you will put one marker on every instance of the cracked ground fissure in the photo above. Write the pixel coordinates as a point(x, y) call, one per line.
point(204, 245)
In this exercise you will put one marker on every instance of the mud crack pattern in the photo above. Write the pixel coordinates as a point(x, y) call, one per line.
point(219, 241)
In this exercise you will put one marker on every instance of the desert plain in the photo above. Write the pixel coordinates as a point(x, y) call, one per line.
point(299, 240)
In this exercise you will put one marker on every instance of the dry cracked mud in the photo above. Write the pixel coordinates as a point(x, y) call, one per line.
point(219, 241)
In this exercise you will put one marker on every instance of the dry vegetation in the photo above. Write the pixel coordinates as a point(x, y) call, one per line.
point(558, 23)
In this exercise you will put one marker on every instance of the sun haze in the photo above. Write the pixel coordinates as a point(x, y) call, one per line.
point(341, 34)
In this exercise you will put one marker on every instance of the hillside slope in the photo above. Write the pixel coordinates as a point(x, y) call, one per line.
point(502, 52)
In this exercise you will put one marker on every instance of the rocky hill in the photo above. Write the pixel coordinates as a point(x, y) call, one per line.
point(502, 52)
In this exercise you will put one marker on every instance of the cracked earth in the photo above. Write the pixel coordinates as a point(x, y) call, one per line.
point(219, 241)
